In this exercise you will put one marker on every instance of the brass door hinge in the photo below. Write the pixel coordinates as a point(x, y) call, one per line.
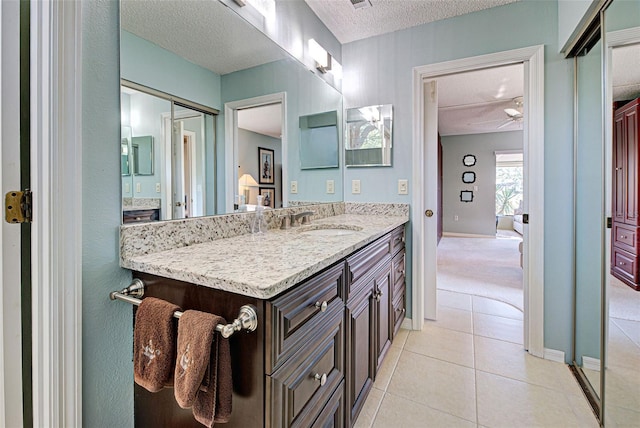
point(17, 206)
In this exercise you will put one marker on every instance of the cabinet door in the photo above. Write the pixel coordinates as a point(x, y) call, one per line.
point(332, 416)
point(631, 181)
point(383, 314)
point(619, 157)
point(360, 343)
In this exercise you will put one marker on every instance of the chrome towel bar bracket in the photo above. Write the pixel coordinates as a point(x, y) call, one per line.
point(247, 317)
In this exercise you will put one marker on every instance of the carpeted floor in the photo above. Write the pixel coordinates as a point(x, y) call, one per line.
point(488, 267)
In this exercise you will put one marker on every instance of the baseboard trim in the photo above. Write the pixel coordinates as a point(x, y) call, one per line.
point(591, 363)
point(466, 235)
point(406, 324)
point(554, 355)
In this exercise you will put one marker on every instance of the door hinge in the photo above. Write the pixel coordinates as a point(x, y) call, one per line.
point(17, 206)
point(525, 218)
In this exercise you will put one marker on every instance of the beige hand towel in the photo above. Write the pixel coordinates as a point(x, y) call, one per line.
point(203, 368)
point(154, 344)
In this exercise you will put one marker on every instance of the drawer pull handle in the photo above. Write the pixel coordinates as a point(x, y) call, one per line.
point(621, 263)
point(377, 295)
point(622, 237)
point(322, 378)
point(322, 306)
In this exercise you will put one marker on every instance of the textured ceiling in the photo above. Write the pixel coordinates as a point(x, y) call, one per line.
point(204, 32)
point(474, 102)
point(265, 120)
point(626, 72)
point(385, 16)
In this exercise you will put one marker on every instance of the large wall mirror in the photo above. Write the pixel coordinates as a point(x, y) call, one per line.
point(606, 345)
point(182, 65)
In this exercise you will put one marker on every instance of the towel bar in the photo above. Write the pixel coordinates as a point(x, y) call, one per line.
point(247, 317)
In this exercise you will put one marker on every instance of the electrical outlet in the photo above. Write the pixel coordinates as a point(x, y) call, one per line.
point(127, 188)
point(331, 187)
point(294, 187)
point(157, 187)
point(455, 218)
point(138, 188)
point(403, 187)
point(355, 187)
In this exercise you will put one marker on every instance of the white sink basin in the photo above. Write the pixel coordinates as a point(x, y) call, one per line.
point(329, 229)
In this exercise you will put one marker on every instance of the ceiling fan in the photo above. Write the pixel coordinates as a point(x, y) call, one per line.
point(514, 114)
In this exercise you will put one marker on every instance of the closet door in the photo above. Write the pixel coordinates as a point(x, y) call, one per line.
point(630, 135)
point(619, 157)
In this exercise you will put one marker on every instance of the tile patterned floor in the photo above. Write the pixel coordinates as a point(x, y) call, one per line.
point(468, 369)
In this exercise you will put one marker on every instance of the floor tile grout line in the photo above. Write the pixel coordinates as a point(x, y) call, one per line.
point(430, 407)
point(440, 360)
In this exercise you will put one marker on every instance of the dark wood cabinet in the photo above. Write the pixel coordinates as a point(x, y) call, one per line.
point(375, 311)
point(625, 194)
point(313, 359)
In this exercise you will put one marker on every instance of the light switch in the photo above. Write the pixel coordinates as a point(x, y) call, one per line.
point(138, 188)
point(127, 188)
point(331, 188)
point(294, 187)
point(157, 187)
point(403, 187)
point(475, 188)
point(355, 187)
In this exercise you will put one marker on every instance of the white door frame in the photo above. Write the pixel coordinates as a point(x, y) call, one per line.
point(10, 279)
point(424, 235)
point(56, 243)
point(231, 143)
point(194, 203)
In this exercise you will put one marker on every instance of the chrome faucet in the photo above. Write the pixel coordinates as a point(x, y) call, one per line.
point(304, 215)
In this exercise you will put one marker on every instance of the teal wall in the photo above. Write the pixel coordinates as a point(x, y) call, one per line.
point(248, 163)
point(570, 12)
point(479, 216)
point(107, 370)
point(148, 64)
point(378, 70)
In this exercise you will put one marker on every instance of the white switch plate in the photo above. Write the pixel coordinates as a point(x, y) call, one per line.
point(294, 187)
point(157, 187)
point(138, 188)
point(127, 188)
point(355, 187)
point(455, 218)
point(403, 187)
point(475, 188)
point(331, 187)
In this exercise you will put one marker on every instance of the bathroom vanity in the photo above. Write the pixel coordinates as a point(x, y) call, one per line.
point(324, 328)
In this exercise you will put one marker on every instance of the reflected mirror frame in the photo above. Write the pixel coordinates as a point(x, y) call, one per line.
point(384, 113)
point(327, 121)
point(466, 196)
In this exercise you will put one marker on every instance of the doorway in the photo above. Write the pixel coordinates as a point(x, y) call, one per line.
point(270, 121)
point(424, 234)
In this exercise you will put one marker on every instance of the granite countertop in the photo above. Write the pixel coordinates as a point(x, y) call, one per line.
point(264, 265)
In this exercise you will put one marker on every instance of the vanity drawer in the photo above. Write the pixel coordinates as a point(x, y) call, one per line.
point(625, 237)
point(301, 312)
point(397, 240)
point(625, 264)
point(398, 271)
point(302, 387)
point(399, 310)
point(365, 261)
point(332, 416)
point(139, 216)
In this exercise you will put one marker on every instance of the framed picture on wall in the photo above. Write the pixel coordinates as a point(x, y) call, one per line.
point(268, 196)
point(265, 166)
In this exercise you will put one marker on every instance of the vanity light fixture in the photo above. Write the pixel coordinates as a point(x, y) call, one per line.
point(320, 56)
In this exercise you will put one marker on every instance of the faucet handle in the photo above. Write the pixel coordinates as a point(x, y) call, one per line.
point(286, 221)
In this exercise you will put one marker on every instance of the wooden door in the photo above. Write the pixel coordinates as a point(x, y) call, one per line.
point(631, 138)
point(619, 156)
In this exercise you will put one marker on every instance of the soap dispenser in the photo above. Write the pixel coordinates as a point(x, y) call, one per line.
point(259, 224)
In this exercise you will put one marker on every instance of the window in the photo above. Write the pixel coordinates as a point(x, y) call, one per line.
point(509, 183)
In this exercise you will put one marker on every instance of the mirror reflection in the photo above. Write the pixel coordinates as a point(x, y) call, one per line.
point(203, 54)
point(368, 136)
point(319, 140)
point(622, 316)
point(142, 153)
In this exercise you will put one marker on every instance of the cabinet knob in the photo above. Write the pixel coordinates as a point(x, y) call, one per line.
point(322, 378)
point(622, 237)
point(322, 306)
point(621, 263)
